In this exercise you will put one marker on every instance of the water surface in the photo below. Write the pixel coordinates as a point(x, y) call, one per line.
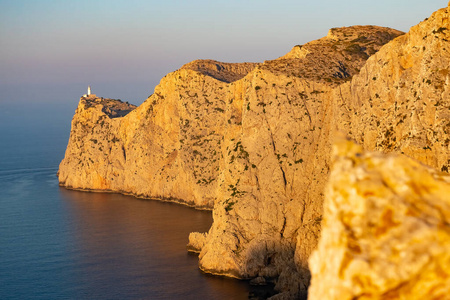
point(62, 244)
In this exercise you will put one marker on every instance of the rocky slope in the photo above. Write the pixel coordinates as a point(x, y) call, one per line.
point(386, 229)
point(226, 72)
point(253, 141)
point(334, 58)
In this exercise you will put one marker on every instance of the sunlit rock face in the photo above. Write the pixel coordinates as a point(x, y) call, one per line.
point(255, 149)
point(386, 229)
point(400, 100)
point(94, 144)
point(276, 153)
point(170, 147)
point(253, 141)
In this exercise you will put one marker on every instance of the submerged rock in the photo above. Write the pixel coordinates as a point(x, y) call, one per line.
point(196, 241)
point(386, 229)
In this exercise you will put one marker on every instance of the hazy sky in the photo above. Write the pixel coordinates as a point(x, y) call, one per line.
point(51, 50)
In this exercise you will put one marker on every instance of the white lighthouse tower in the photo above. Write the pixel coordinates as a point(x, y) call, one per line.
point(89, 94)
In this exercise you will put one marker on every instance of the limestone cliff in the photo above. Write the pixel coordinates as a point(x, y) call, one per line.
point(277, 162)
point(167, 148)
point(253, 141)
point(400, 100)
point(386, 229)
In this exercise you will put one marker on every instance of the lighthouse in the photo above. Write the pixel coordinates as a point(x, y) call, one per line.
point(89, 94)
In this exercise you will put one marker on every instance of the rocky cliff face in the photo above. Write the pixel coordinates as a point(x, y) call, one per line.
point(400, 100)
point(253, 141)
point(386, 232)
point(167, 148)
point(267, 221)
point(255, 149)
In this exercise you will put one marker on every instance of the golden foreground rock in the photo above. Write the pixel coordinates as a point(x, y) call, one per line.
point(385, 231)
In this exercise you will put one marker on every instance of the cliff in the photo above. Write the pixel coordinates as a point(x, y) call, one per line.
point(400, 100)
point(253, 141)
point(277, 163)
point(176, 145)
point(168, 148)
point(386, 232)
point(385, 228)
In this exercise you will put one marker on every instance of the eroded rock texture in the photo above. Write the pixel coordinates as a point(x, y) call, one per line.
point(400, 100)
point(386, 229)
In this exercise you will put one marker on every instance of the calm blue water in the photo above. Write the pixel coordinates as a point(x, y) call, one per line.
point(62, 244)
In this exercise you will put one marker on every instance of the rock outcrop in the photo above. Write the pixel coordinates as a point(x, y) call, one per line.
point(226, 72)
point(400, 100)
point(386, 229)
point(334, 58)
point(253, 141)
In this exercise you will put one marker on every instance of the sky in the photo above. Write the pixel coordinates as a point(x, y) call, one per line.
point(51, 50)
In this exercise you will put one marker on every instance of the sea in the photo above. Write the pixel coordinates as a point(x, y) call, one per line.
point(57, 243)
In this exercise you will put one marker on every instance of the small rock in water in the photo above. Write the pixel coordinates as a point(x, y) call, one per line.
point(258, 281)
